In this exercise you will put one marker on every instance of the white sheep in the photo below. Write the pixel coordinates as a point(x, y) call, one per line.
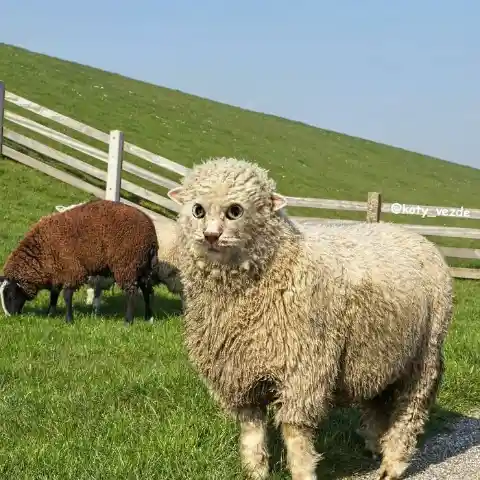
point(356, 316)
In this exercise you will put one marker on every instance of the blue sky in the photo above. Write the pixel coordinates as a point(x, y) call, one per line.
point(405, 73)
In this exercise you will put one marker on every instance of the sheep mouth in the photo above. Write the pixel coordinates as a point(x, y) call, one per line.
point(215, 246)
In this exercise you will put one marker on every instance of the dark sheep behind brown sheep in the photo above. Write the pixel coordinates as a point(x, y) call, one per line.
point(62, 250)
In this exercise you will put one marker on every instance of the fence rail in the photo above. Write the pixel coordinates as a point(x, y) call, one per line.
point(373, 207)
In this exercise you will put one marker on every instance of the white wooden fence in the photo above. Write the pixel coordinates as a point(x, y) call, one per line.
point(113, 157)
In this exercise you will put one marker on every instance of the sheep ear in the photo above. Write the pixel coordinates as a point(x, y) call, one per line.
point(278, 202)
point(176, 194)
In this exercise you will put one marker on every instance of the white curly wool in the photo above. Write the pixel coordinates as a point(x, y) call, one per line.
point(354, 315)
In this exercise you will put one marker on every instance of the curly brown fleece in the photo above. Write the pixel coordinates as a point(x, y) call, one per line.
point(99, 236)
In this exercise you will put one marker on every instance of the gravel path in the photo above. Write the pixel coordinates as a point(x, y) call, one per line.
point(454, 455)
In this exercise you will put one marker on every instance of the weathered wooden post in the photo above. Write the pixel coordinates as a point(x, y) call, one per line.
point(2, 108)
point(374, 207)
point(115, 160)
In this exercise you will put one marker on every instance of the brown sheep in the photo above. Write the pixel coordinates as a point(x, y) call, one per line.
point(165, 273)
point(62, 250)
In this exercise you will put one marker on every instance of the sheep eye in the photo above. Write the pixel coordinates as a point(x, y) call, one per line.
point(198, 211)
point(234, 211)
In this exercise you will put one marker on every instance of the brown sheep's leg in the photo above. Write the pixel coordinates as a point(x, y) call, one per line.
point(252, 443)
point(97, 297)
point(131, 293)
point(147, 292)
point(302, 457)
point(68, 297)
point(410, 412)
point(52, 306)
point(127, 281)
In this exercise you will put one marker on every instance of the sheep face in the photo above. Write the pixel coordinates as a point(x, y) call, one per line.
point(225, 203)
point(12, 297)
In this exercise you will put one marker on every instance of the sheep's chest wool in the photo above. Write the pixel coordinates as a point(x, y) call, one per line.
point(238, 344)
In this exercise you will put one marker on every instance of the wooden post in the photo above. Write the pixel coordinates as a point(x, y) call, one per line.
point(374, 207)
point(2, 108)
point(115, 160)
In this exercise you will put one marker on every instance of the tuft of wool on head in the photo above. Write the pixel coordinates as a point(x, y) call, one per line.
point(237, 176)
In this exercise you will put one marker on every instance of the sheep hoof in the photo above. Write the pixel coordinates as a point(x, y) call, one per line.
point(149, 320)
point(391, 472)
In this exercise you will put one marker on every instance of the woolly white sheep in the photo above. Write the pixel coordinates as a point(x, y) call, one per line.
point(357, 316)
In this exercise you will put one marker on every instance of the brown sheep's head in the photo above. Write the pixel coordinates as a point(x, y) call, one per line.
point(12, 297)
point(225, 205)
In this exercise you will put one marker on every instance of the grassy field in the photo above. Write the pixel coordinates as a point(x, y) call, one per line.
point(305, 161)
point(98, 401)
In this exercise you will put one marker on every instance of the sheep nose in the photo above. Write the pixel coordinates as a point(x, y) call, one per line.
point(211, 237)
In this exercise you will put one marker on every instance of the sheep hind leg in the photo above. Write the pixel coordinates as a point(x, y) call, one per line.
point(130, 293)
point(128, 283)
point(147, 292)
point(409, 414)
point(97, 298)
point(253, 451)
point(302, 457)
point(374, 420)
point(68, 297)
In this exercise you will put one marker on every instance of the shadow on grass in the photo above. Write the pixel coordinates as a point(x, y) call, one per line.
point(447, 435)
point(113, 306)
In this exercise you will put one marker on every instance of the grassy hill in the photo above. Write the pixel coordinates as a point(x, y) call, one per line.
point(95, 400)
point(305, 161)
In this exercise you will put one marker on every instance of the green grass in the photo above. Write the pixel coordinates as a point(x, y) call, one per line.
point(97, 400)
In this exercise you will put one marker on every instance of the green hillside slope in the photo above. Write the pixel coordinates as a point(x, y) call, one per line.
point(306, 161)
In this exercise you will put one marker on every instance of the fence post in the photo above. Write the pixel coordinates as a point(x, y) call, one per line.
point(115, 160)
point(2, 108)
point(374, 207)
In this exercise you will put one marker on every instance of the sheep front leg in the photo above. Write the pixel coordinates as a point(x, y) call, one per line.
point(253, 450)
point(301, 455)
point(68, 297)
point(52, 306)
point(304, 402)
